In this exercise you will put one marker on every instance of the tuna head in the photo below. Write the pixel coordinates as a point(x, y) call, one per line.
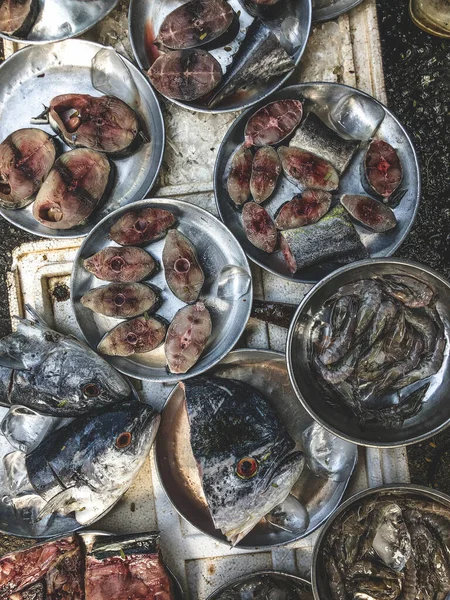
point(243, 452)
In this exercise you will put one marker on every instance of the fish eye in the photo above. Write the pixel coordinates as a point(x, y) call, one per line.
point(91, 390)
point(247, 467)
point(123, 440)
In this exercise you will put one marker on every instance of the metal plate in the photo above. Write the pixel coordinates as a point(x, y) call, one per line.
point(320, 578)
point(267, 372)
point(301, 583)
point(434, 414)
point(146, 17)
point(323, 97)
point(217, 250)
point(324, 10)
point(33, 76)
point(62, 20)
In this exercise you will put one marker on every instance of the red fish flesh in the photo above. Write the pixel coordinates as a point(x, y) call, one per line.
point(271, 124)
point(141, 226)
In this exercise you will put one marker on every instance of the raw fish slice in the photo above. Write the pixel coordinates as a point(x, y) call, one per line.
point(17, 17)
point(260, 58)
point(73, 189)
point(187, 337)
point(121, 265)
point(259, 227)
point(105, 124)
point(122, 300)
point(238, 181)
point(382, 168)
point(26, 158)
point(195, 23)
point(137, 336)
point(185, 74)
point(141, 226)
point(183, 272)
point(333, 240)
point(271, 124)
point(266, 169)
point(307, 170)
point(303, 209)
point(369, 212)
point(315, 137)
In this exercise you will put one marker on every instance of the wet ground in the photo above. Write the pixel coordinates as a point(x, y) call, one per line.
point(417, 70)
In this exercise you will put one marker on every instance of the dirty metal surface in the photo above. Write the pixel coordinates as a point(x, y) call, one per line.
point(345, 51)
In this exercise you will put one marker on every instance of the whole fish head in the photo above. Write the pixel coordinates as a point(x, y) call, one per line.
point(243, 452)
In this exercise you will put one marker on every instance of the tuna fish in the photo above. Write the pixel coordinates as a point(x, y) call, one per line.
point(308, 170)
point(266, 169)
point(122, 300)
point(121, 265)
point(259, 227)
point(369, 212)
point(304, 209)
point(184, 274)
point(187, 337)
point(238, 180)
point(139, 227)
point(382, 168)
point(272, 123)
point(137, 336)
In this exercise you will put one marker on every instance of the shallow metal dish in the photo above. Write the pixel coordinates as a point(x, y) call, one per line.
point(323, 97)
point(324, 10)
point(305, 585)
point(433, 417)
point(33, 76)
point(267, 372)
point(59, 20)
point(217, 250)
point(145, 19)
point(320, 579)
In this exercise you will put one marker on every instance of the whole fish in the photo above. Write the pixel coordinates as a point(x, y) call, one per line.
point(56, 374)
point(341, 340)
point(184, 274)
point(91, 462)
point(244, 454)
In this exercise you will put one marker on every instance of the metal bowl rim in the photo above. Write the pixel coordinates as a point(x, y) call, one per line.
point(135, 206)
point(222, 540)
point(158, 115)
point(290, 338)
point(298, 87)
point(390, 487)
point(28, 42)
point(333, 14)
point(243, 578)
point(223, 110)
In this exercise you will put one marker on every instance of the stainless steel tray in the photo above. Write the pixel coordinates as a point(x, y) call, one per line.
point(35, 74)
point(324, 10)
point(62, 20)
point(324, 97)
point(145, 19)
point(227, 290)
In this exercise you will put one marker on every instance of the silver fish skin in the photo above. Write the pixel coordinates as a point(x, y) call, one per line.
point(244, 453)
point(56, 374)
point(262, 587)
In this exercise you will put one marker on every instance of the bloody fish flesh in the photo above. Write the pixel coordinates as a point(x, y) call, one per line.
point(238, 180)
point(26, 158)
point(266, 169)
point(369, 212)
point(122, 300)
point(17, 17)
point(121, 265)
point(273, 123)
point(195, 23)
point(141, 226)
point(137, 336)
point(74, 188)
point(304, 209)
point(308, 170)
point(382, 168)
point(187, 337)
point(183, 272)
point(185, 74)
point(259, 227)
point(105, 123)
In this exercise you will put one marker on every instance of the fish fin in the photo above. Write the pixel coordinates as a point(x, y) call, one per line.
point(11, 362)
point(35, 315)
point(63, 503)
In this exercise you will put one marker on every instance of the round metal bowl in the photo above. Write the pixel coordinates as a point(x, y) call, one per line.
point(34, 75)
point(301, 583)
point(434, 414)
point(60, 20)
point(358, 110)
point(324, 10)
point(145, 19)
point(223, 261)
point(320, 579)
point(266, 371)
